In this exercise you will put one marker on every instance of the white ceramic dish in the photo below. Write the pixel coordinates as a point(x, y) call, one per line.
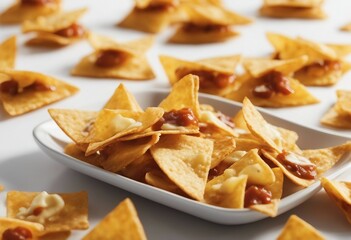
point(52, 140)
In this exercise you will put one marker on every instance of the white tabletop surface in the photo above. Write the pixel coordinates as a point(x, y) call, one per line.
point(24, 167)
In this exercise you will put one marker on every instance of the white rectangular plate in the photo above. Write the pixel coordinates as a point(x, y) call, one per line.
point(52, 141)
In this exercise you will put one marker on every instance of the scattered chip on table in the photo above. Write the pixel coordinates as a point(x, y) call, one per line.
point(21, 228)
point(8, 51)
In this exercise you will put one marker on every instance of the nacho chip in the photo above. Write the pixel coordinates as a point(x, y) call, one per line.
point(292, 12)
point(255, 168)
point(150, 16)
point(296, 228)
point(216, 74)
point(276, 188)
point(122, 99)
point(121, 154)
point(184, 94)
point(8, 53)
point(34, 90)
point(265, 132)
point(131, 63)
point(121, 223)
point(74, 214)
point(113, 124)
point(222, 147)
point(160, 180)
point(226, 190)
point(207, 23)
point(186, 161)
point(340, 192)
point(56, 236)
point(18, 12)
point(11, 223)
point(346, 27)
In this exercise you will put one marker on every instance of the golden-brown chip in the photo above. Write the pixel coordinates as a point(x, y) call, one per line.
point(222, 147)
point(186, 160)
point(121, 223)
point(111, 125)
point(1, 188)
point(158, 179)
point(346, 27)
point(121, 154)
point(226, 190)
point(18, 12)
point(122, 99)
point(56, 236)
point(74, 214)
point(36, 229)
point(34, 90)
point(296, 228)
point(134, 65)
point(340, 192)
point(8, 53)
point(76, 151)
point(292, 12)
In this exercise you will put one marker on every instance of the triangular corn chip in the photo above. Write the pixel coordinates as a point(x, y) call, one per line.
point(107, 128)
point(122, 99)
point(18, 12)
point(121, 154)
point(33, 95)
point(340, 192)
point(160, 180)
point(341, 50)
point(121, 223)
point(267, 133)
point(222, 147)
point(35, 229)
point(75, 151)
point(216, 66)
point(294, 3)
point(226, 190)
point(74, 214)
point(186, 160)
point(256, 170)
point(184, 94)
point(346, 27)
point(134, 67)
point(245, 84)
point(8, 53)
point(75, 123)
point(296, 228)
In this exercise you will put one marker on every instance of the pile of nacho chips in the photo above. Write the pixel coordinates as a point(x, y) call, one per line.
point(25, 91)
point(306, 9)
point(194, 150)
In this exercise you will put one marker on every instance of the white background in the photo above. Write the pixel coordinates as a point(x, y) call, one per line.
point(24, 167)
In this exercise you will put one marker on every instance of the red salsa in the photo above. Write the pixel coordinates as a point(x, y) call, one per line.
point(36, 2)
point(301, 167)
point(207, 79)
point(257, 195)
point(12, 88)
point(194, 28)
point(110, 58)
point(18, 233)
point(272, 83)
point(74, 31)
point(183, 117)
point(319, 69)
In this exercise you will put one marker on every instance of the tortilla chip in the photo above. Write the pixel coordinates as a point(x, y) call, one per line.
point(276, 188)
point(186, 160)
point(76, 124)
point(44, 39)
point(346, 27)
point(222, 147)
point(121, 154)
point(7, 223)
point(53, 23)
point(265, 132)
point(32, 99)
point(122, 99)
point(224, 65)
point(294, 3)
point(56, 236)
point(341, 50)
point(244, 85)
point(160, 180)
point(246, 144)
point(226, 190)
point(75, 151)
point(1, 188)
point(121, 223)
point(148, 20)
point(326, 158)
point(340, 192)
point(74, 215)
point(292, 12)
point(104, 133)
point(184, 94)
point(296, 228)
point(8, 53)
point(135, 67)
point(255, 168)
point(18, 13)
